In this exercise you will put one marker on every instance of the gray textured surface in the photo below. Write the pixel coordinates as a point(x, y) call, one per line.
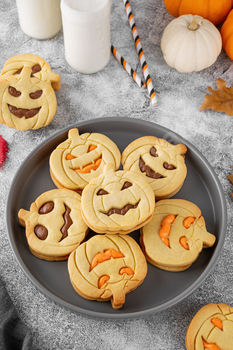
point(112, 92)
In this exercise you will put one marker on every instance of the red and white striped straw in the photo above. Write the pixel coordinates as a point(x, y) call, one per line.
point(140, 52)
point(127, 67)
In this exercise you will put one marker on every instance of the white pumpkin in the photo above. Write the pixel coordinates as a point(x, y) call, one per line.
point(190, 43)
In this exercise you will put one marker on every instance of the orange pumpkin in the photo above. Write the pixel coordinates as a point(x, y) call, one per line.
point(213, 10)
point(227, 35)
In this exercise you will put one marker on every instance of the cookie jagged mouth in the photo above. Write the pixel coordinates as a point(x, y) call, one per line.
point(121, 211)
point(92, 166)
point(150, 172)
point(23, 112)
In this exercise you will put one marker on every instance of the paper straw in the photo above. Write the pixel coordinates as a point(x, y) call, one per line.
point(127, 67)
point(140, 52)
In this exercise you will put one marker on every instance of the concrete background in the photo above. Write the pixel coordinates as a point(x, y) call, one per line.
point(112, 92)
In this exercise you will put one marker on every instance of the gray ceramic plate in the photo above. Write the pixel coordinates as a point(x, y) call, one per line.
point(161, 289)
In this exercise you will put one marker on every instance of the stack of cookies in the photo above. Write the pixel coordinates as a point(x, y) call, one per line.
point(92, 193)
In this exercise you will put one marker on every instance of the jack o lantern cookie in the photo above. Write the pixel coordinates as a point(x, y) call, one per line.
point(176, 235)
point(162, 164)
point(26, 102)
point(40, 68)
point(107, 267)
point(79, 159)
point(117, 202)
point(54, 224)
point(211, 328)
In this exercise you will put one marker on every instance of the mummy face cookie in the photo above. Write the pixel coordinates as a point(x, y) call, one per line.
point(79, 159)
point(176, 235)
point(117, 202)
point(54, 224)
point(26, 102)
point(107, 267)
point(161, 163)
point(211, 328)
point(39, 68)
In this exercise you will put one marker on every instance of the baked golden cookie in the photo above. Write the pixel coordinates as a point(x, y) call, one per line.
point(175, 236)
point(26, 102)
point(211, 328)
point(117, 202)
point(54, 224)
point(79, 159)
point(162, 164)
point(40, 68)
point(107, 267)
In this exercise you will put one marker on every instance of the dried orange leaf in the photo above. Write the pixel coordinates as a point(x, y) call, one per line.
point(221, 99)
point(230, 178)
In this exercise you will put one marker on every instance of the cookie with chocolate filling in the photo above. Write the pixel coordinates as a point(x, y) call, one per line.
point(54, 224)
point(117, 202)
point(211, 328)
point(175, 236)
point(162, 164)
point(107, 267)
point(40, 68)
point(26, 102)
point(80, 158)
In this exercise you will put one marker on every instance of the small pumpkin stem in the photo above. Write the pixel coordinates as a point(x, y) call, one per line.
point(196, 23)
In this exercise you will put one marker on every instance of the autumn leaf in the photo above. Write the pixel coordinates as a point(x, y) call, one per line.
point(230, 178)
point(221, 99)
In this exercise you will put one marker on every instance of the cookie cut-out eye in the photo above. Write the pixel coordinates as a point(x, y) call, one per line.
point(14, 92)
point(91, 148)
point(41, 232)
point(35, 69)
point(153, 151)
point(168, 166)
point(46, 208)
point(101, 192)
point(127, 184)
point(36, 94)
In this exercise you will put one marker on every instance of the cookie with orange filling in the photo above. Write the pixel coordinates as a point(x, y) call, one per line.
point(81, 158)
point(211, 328)
point(107, 267)
point(175, 236)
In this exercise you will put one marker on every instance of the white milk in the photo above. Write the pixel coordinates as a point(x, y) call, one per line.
point(40, 19)
point(86, 29)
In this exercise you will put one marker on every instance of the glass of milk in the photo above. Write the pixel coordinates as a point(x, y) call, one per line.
point(86, 30)
point(40, 19)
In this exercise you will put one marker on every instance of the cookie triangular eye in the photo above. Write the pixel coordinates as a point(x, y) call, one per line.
point(127, 184)
point(101, 192)
point(36, 94)
point(153, 151)
point(168, 166)
point(14, 92)
point(36, 69)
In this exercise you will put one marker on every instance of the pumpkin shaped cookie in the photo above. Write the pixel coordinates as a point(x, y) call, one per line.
point(26, 102)
point(107, 267)
point(79, 159)
point(40, 68)
point(117, 202)
point(54, 224)
point(211, 328)
point(161, 163)
point(175, 236)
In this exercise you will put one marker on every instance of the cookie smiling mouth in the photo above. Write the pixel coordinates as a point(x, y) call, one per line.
point(23, 112)
point(121, 211)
